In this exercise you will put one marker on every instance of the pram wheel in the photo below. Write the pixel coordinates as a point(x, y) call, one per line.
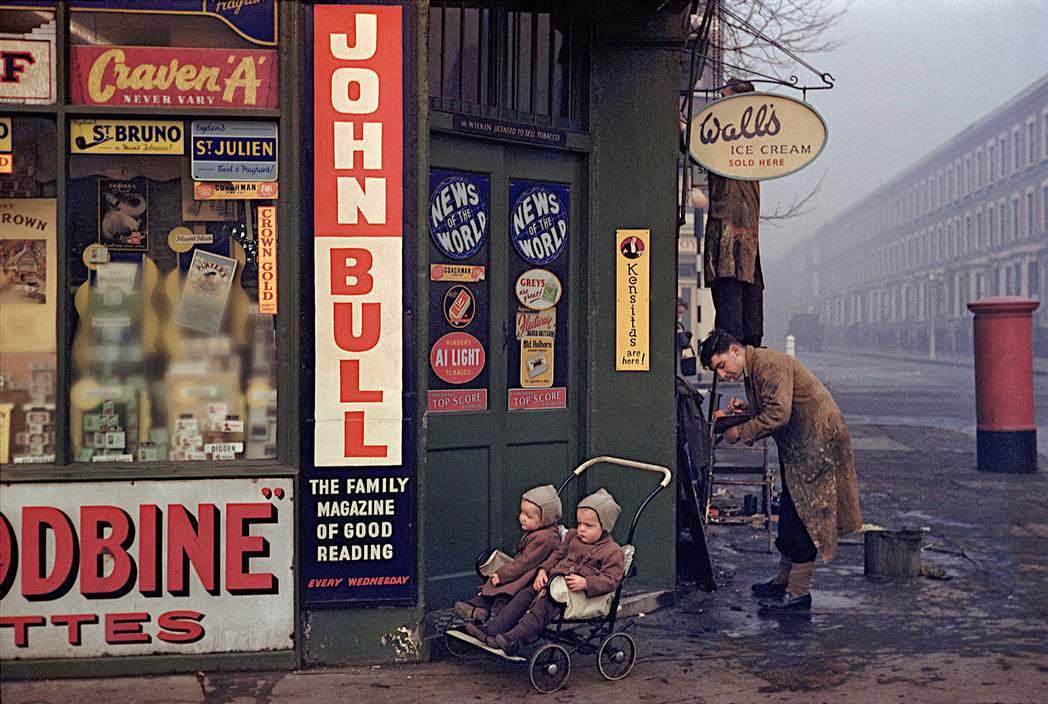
point(457, 647)
point(549, 668)
point(616, 656)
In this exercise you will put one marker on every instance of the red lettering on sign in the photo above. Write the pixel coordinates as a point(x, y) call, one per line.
point(149, 549)
point(349, 384)
point(37, 523)
point(126, 628)
point(195, 539)
point(241, 546)
point(105, 530)
point(180, 626)
point(21, 626)
point(75, 623)
point(354, 438)
point(370, 326)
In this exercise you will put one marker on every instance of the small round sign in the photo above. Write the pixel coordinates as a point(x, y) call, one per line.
point(632, 247)
point(458, 218)
point(539, 224)
point(457, 358)
point(460, 306)
point(538, 289)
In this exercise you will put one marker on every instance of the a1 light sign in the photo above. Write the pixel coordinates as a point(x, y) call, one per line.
point(757, 136)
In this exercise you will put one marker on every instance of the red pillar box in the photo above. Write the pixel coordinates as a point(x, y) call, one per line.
point(1006, 434)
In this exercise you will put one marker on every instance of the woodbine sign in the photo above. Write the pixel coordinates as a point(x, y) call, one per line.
point(757, 136)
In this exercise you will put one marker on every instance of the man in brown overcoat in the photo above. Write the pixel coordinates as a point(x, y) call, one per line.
point(820, 497)
point(731, 260)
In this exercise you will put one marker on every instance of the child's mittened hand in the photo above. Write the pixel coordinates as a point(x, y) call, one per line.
point(495, 578)
point(540, 580)
point(576, 583)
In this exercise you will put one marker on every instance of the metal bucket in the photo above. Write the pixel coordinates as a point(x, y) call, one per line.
point(893, 554)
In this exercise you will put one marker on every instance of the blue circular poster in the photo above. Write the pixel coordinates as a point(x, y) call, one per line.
point(539, 221)
point(458, 213)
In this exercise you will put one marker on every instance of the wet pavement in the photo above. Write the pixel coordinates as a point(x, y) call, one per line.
point(976, 633)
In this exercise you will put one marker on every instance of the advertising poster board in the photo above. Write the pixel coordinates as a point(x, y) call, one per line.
point(358, 534)
point(228, 150)
point(539, 269)
point(632, 300)
point(459, 304)
point(147, 567)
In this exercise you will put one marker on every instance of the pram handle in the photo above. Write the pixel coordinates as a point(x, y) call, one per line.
point(666, 475)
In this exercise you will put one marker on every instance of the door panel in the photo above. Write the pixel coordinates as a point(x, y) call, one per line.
point(479, 463)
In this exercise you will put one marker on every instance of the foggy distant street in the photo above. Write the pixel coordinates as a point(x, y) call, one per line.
point(881, 391)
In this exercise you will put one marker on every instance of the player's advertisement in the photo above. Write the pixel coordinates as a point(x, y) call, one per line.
point(146, 567)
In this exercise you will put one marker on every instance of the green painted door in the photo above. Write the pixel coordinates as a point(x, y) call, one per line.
point(479, 463)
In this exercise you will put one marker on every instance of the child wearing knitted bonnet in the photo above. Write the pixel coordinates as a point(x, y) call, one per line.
point(539, 512)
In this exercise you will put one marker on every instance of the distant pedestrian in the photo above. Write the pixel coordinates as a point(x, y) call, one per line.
point(820, 496)
point(731, 251)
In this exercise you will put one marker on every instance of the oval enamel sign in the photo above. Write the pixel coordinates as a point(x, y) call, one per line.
point(457, 358)
point(757, 136)
point(538, 289)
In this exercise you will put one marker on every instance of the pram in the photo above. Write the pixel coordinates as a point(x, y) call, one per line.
point(585, 625)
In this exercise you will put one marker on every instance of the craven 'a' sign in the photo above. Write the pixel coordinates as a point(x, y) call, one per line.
point(757, 136)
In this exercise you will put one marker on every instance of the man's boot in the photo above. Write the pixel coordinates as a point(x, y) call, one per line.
point(798, 590)
point(774, 588)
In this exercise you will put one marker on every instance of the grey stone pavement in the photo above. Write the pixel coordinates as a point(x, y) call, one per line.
point(980, 635)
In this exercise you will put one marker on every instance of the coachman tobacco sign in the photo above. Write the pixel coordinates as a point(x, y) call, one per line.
point(757, 136)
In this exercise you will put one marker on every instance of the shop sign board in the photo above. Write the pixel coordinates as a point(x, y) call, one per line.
point(460, 306)
point(5, 135)
point(27, 73)
point(537, 399)
point(156, 137)
point(235, 190)
point(538, 289)
point(227, 150)
point(457, 358)
point(174, 76)
point(632, 300)
point(357, 504)
point(458, 212)
point(456, 272)
point(757, 136)
point(536, 362)
point(146, 567)
point(456, 400)
point(267, 259)
point(541, 323)
point(539, 220)
point(254, 20)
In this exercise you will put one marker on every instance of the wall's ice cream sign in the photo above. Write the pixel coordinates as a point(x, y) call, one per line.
point(206, 78)
point(757, 136)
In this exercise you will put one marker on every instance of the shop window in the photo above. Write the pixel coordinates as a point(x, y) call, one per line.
point(28, 289)
point(173, 355)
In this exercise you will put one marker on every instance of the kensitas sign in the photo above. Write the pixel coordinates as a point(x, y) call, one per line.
point(757, 136)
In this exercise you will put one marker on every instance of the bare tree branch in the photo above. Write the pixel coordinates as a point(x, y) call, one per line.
point(798, 207)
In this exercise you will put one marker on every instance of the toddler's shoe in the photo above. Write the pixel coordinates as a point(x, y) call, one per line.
point(471, 613)
point(510, 646)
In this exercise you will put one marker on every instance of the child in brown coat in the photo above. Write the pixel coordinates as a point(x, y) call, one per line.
point(590, 561)
point(539, 512)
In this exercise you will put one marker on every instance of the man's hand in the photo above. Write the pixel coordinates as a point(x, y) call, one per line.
point(719, 413)
point(732, 435)
point(495, 579)
point(540, 581)
point(575, 582)
point(737, 405)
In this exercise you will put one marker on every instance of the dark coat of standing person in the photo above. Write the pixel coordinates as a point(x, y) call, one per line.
point(731, 251)
point(820, 499)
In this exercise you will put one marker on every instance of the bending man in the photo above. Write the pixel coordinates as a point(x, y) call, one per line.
point(820, 497)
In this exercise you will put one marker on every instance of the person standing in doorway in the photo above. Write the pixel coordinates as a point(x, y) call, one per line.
point(731, 251)
point(820, 495)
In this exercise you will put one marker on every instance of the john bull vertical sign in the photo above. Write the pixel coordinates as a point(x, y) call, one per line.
point(146, 567)
point(358, 535)
point(757, 136)
point(632, 285)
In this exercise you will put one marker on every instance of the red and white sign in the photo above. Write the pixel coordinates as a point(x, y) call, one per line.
point(357, 215)
point(27, 71)
point(135, 568)
point(537, 399)
point(457, 358)
point(538, 289)
point(267, 259)
point(453, 400)
point(175, 76)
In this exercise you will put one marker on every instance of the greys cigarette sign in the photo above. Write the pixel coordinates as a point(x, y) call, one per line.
point(757, 136)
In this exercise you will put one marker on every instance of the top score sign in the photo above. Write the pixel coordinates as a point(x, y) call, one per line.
point(757, 136)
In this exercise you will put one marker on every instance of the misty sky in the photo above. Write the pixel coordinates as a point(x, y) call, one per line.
point(911, 74)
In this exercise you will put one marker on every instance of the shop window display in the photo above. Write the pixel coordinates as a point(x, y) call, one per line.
point(171, 358)
point(28, 290)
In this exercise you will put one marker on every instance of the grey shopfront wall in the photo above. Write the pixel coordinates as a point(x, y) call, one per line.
point(614, 155)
